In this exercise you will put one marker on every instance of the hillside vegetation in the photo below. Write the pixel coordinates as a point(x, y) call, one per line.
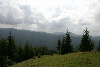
point(41, 38)
point(29, 56)
point(79, 59)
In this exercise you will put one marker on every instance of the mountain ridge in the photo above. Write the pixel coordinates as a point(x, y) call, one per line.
point(41, 38)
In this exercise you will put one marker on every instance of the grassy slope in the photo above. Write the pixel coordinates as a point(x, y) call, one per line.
point(79, 59)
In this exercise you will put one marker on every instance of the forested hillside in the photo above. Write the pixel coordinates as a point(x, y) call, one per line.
point(41, 38)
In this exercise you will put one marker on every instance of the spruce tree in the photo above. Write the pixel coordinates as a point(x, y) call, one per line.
point(20, 53)
point(59, 45)
point(63, 46)
point(26, 51)
point(68, 46)
point(11, 47)
point(3, 47)
point(31, 51)
point(86, 43)
point(3, 52)
point(98, 48)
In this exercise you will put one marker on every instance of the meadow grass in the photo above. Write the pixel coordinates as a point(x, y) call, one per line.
point(78, 59)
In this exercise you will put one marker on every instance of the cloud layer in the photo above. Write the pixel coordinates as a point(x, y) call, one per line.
point(51, 16)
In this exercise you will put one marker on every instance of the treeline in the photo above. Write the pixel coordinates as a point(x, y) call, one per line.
point(65, 46)
point(10, 52)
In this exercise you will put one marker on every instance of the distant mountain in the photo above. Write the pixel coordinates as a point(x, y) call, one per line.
point(41, 38)
point(58, 33)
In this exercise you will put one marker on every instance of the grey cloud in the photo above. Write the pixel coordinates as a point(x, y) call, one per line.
point(9, 19)
point(83, 23)
point(61, 24)
point(27, 18)
point(34, 18)
point(40, 16)
point(11, 15)
point(27, 9)
point(97, 17)
point(42, 25)
point(58, 24)
point(66, 19)
point(2, 19)
point(31, 17)
point(1, 3)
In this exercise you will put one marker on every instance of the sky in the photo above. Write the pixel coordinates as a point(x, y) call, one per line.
point(51, 15)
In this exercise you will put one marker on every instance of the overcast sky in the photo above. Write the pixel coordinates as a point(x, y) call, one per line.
point(51, 15)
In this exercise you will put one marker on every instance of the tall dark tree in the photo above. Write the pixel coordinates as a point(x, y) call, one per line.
point(11, 47)
point(86, 43)
point(36, 49)
point(98, 48)
point(68, 46)
point(32, 53)
point(20, 54)
point(3, 52)
point(59, 45)
point(26, 51)
point(3, 47)
point(63, 45)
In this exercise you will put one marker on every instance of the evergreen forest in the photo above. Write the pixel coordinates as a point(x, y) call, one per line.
point(11, 53)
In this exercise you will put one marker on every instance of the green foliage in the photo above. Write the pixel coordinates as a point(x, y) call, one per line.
point(3, 61)
point(3, 52)
point(76, 49)
point(86, 43)
point(20, 54)
point(26, 51)
point(9, 51)
point(59, 45)
point(32, 52)
point(79, 59)
point(66, 46)
point(44, 50)
point(63, 46)
point(3, 47)
point(11, 47)
point(36, 49)
point(98, 48)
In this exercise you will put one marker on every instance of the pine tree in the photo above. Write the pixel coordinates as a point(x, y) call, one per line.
point(3, 47)
point(20, 53)
point(11, 47)
point(98, 48)
point(86, 43)
point(26, 51)
point(31, 51)
point(59, 45)
point(68, 46)
point(63, 46)
point(36, 49)
point(3, 52)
